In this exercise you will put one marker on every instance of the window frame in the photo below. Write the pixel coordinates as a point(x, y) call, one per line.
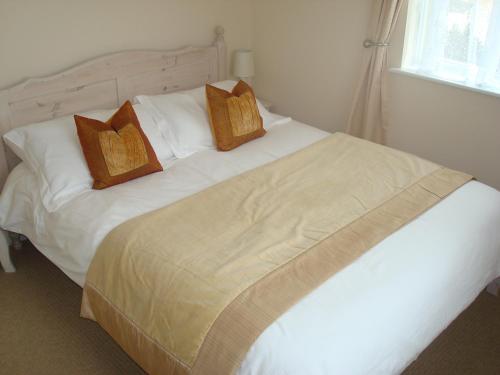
point(413, 21)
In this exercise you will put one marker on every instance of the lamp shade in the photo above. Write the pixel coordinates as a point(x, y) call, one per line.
point(243, 64)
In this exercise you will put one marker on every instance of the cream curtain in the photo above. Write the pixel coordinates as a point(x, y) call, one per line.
point(367, 118)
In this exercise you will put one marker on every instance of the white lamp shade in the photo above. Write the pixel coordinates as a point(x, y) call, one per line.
point(243, 63)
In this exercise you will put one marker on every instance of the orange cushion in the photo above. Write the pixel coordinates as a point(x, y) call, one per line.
point(116, 150)
point(234, 116)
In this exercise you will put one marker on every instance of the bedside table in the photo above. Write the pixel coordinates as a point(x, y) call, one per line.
point(267, 104)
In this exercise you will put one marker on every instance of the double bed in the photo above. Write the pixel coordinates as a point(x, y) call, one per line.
point(372, 317)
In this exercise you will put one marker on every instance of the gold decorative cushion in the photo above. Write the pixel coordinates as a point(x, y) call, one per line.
point(116, 150)
point(234, 116)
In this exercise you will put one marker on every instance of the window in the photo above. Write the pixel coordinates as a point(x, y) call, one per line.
point(455, 40)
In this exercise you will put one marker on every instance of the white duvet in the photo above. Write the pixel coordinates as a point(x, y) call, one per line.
point(374, 317)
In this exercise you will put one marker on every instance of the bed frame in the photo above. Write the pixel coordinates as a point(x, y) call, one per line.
point(103, 83)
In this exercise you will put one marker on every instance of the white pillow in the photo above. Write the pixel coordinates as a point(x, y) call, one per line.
point(52, 151)
point(269, 119)
point(186, 126)
point(151, 124)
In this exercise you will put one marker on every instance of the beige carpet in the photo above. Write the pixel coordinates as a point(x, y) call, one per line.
point(41, 332)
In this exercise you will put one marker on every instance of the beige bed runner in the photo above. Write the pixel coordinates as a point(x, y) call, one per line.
point(188, 288)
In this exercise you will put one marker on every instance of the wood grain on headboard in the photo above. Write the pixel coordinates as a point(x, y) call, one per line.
point(105, 83)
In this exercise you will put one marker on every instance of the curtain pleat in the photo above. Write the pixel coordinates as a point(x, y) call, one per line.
point(368, 115)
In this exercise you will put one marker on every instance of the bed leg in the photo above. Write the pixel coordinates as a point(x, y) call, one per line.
point(5, 259)
point(494, 287)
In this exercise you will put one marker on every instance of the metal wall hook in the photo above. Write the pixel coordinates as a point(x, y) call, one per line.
point(368, 43)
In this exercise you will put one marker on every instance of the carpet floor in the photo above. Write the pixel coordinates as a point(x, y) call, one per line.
point(41, 332)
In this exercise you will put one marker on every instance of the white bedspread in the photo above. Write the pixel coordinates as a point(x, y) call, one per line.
point(374, 317)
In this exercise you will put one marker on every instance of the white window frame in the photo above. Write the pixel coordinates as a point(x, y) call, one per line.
point(409, 50)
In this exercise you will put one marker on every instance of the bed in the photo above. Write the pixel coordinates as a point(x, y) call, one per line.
point(374, 316)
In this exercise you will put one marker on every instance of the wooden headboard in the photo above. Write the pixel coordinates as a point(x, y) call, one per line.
point(105, 83)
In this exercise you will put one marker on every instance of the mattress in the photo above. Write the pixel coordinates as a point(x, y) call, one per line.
point(374, 317)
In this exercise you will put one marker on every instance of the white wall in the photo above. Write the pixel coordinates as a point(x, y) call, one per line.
point(451, 126)
point(44, 37)
point(308, 57)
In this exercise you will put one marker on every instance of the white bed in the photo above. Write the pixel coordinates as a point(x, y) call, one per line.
point(374, 317)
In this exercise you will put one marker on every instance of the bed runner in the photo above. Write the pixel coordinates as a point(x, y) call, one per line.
point(187, 289)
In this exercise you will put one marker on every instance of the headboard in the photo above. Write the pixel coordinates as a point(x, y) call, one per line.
point(105, 83)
